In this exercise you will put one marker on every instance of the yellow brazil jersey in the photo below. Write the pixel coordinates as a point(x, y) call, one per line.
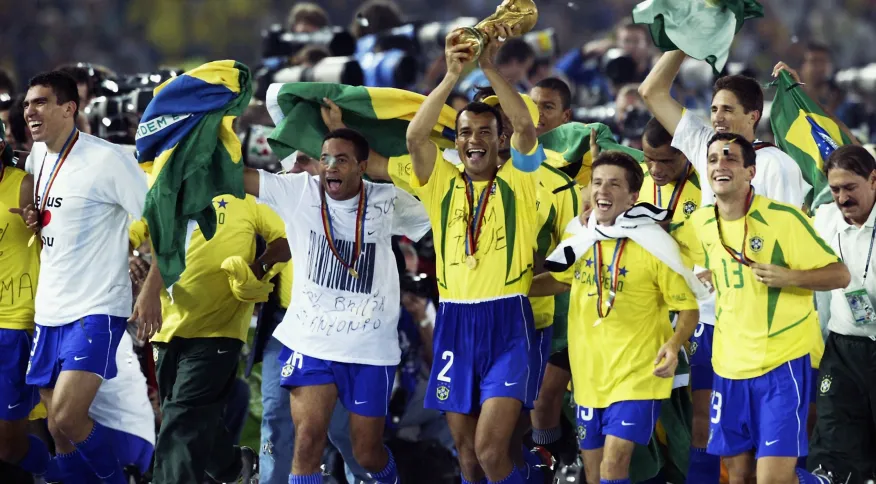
point(19, 264)
point(284, 286)
point(400, 169)
point(556, 205)
point(203, 305)
point(758, 328)
point(580, 171)
point(507, 239)
point(613, 360)
point(684, 203)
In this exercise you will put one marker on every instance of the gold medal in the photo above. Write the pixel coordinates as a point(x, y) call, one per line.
point(471, 262)
point(353, 272)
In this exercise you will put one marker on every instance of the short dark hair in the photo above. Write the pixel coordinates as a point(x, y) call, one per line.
point(635, 175)
point(360, 144)
point(6, 82)
point(380, 15)
point(309, 13)
point(749, 155)
point(311, 54)
point(853, 158)
point(746, 90)
point(454, 96)
point(17, 124)
point(561, 88)
point(483, 92)
point(61, 83)
point(515, 49)
point(627, 23)
point(656, 135)
point(481, 108)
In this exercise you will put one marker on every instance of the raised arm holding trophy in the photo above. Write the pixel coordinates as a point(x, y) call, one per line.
point(510, 13)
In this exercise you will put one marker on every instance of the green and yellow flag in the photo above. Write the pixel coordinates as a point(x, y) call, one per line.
point(803, 131)
point(186, 143)
point(702, 29)
point(381, 114)
point(568, 148)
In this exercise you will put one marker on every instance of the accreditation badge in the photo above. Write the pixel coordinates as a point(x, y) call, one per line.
point(862, 308)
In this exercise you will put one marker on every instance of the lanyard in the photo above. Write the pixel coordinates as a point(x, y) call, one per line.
point(59, 162)
point(476, 216)
point(676, 191)
point(869, 252)
point(739, 257)
point(329, 229)
point(614, 275)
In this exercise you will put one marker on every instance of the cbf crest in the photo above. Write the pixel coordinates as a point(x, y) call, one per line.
point(688, 208)
point(442, 393)
point(287, 370)
point(755, 243)
point(693, 348)
point(825, 384)
point(582, 432)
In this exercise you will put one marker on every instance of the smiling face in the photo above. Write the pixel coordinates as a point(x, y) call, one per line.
point(610, 193)
point(665, 163)
point(45, 117)
point(477, 140)
point(727, 175)
point(854, 194)
point(728, 115)
point(550, 109)
point(339, 170)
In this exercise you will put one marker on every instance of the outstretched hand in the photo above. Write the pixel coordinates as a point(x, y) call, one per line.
point(457, 55)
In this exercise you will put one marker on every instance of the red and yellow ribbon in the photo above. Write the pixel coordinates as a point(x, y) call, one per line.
point(328, 228)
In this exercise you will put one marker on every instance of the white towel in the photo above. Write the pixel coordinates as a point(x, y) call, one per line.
point(640, 224)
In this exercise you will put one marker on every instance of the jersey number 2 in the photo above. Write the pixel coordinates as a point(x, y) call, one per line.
point(448, 357)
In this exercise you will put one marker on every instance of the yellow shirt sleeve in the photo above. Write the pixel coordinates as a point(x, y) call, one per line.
point(674, 288)
point(268, 224)
point(685, 234)
point(400, 170)
point(568, 276)
point(808, 250)
point(438, 182)
point(138, 233)
point(567, 209)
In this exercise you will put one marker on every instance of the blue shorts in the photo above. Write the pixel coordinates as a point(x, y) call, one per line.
point(17, 398)
point(132, 450)
point(482, 350)
point(632, 420)
point(363, 389)
point(538, 358)
point(701, 372)
point(89, 344)
point(767, 413)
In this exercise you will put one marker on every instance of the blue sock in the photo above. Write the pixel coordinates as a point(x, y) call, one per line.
point(97, 450)
point(482, 481)
point(389, 474)
point(807, 478)
point(36, 461)
point(615, 481)
point(310, 479)
point(532, 474)
point(704, 468)
point(547, 436)
point(801, 462)
point(72, 469)
point(513, 478)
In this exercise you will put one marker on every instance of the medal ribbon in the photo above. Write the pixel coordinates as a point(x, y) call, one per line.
point(328, 228)
point(59, 162)
point(476, 212)
point(739, 257)
point(676, 192)
point(615, 275)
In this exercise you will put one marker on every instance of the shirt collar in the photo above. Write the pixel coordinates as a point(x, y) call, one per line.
point(871, 220)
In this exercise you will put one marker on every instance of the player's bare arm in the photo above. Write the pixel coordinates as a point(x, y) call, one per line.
point(545, 285)
point(423, 150)
point(827, 278)
point(667, 357)
point(655, 90)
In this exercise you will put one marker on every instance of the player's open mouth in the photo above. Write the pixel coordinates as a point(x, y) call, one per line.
point(35, 126)
point(603, 204)
point(333, 184)
point(476, 154)
point(721, 178)
point(721, 128)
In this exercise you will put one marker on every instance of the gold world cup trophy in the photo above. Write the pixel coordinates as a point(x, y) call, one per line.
point(510, 13)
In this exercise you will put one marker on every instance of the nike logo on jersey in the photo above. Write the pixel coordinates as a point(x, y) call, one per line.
point(510, 384)
point(771, 442)
point(357, 402)
point(79, 358)
point(627, 424)
point(10, 407)
point(222, 352)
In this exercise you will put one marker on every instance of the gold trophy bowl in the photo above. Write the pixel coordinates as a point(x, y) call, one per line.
point(510, 13)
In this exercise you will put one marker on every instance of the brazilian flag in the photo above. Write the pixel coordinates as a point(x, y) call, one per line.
point(568, 148)
point(803, 131)
point(185, 142)
point(381, 114)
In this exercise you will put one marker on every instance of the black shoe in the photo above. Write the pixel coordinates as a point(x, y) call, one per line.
point(548, 463)
point(249, 472)
point(829, 477)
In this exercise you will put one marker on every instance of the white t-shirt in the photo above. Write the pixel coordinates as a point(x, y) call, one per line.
point(833, 307)
point(84, 259)
point(777, 176)
point(334, 316)
point(122, 403)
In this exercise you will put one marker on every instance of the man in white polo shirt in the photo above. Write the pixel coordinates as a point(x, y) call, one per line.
point(845, 433)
